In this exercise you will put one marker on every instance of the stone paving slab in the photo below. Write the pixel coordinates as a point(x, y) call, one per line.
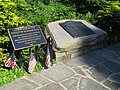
point(115, 77)
point(37, 78)
point(112, 85)
point(52, 86)
point(20, 84)
point(78, 70)
point(112, 66)
point(71, 84)
point(58, 73)
point(114, 48)
point(110, 55)
point(100, 73)
point(92, 58)
point(76, 62)
point(89, 84)
point(97, 70)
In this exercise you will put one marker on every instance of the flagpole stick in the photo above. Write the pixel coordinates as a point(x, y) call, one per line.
point(37, 53)
point(30, 50)
point(50, 47)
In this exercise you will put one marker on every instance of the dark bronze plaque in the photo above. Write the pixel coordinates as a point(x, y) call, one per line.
point(26, 37)
point(76, 28)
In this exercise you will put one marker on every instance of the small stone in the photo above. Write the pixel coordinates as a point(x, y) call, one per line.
point(77, 76)
point(79, 71)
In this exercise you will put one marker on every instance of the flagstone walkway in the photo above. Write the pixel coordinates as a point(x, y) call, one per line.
point(97, 70)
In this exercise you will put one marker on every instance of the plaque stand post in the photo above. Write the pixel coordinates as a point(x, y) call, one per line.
point(37, 53)
point(20, 58)
point(109, 36)
point(50, 47)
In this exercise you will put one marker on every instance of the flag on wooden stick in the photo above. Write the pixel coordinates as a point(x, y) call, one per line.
point(48, 58)
point(32, 63)
point(10, 62)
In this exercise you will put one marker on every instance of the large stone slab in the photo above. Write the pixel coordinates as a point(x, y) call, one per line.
point(92, 58)
point(88, 84)
point(20, 84)
point(38, 79)
point(57, 73)
point(100, 73)
point(109, 55)
point(76, 62)
point(112, 66)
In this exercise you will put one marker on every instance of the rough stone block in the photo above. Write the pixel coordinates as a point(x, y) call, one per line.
point(64, 42)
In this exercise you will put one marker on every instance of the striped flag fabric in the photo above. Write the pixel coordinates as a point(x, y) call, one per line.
point(14, 64)
point(32, 63)
point(48, 58)
point(10, 62)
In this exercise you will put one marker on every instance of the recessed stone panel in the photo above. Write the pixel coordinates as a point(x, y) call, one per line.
point(76, 28)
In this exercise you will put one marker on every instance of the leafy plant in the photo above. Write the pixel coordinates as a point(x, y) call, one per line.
point(42, 14)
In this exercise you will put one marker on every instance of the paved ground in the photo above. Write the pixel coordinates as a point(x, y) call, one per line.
point(97, 70)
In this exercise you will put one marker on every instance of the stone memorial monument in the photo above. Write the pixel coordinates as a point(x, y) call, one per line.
point(74, 37)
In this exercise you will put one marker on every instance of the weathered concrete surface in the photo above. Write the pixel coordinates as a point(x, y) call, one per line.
point(92, 71)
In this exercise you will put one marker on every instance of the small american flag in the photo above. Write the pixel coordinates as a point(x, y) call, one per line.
point(48, 58)
point(14, 64)
point(10, 62)
point(32, 63)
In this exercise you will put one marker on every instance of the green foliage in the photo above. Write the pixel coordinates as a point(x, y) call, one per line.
point(109, 16)
point(8, 19)
point(89, 17)
point(42, 14)
point(7, 76)
point(3, 56)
